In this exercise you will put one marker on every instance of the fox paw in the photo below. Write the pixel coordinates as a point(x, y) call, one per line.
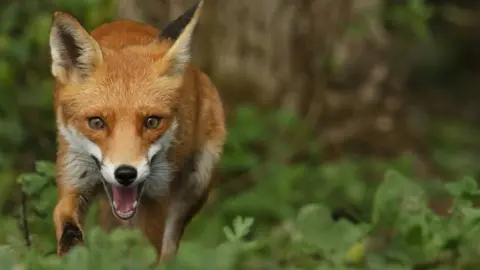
point(71, 236)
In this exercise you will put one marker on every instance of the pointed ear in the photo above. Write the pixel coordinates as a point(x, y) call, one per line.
point(75, 54)
point(181, 30)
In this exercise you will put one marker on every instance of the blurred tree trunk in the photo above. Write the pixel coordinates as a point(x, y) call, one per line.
point(330, 61)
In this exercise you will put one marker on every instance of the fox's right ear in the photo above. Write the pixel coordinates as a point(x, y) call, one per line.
point(75, 54)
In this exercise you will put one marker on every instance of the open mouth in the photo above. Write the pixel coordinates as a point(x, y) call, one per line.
point(123, 200)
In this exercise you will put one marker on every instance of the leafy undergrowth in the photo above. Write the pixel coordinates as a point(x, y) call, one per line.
point(282, 220)
point(402, 233)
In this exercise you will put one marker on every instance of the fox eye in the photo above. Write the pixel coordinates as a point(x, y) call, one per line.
point(152, 122)
point(96, 123)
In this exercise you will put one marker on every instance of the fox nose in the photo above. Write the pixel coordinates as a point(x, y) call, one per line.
point(125, 174)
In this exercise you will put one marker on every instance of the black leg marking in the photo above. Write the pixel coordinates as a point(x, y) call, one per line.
point(71, 236)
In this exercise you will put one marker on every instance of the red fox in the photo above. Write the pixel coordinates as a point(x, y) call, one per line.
point(137, 123)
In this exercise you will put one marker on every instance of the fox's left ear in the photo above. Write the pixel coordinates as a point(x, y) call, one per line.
point(180, 30)
point(75, 54)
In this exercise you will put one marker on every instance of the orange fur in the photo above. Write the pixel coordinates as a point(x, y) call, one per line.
point(129, 78)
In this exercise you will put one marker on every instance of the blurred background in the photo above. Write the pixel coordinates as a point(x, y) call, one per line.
point(322, 98)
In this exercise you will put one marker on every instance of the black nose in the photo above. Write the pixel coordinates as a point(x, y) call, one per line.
point(125, 174)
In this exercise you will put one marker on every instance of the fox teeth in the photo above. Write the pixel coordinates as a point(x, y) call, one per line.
point(135, 204)
point(125, 215)
point(114, 205)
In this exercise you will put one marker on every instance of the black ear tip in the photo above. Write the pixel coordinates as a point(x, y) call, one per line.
point(176, 27)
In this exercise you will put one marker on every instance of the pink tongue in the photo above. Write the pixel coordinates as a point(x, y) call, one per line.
point(124, 198)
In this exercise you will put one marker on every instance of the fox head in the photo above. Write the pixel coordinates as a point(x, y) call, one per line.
point(115, 104)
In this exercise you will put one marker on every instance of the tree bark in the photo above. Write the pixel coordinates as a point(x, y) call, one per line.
point(304, 55)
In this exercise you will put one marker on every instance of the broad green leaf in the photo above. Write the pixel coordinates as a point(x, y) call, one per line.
point(398, 199)
point(472, 215)
point(33, 183)
point(313, 223)
point(45, 168)
point(466, 187)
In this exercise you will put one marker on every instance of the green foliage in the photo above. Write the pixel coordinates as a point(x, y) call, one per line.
point(413, 15)
point(456, 147)
point(309, 239)
point(291, 228)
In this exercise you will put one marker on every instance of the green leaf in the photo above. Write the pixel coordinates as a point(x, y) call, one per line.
point(471, 215)
point(397, 199)
point(229, 234)
point(313, 223)
point(241, 227)
point(467, 187)
point(45, 168)
point(32, 183)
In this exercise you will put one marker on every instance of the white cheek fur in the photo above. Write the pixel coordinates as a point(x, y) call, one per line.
point(160, 168)
point(81, 167)
point(164, 142)
point(108, 173)
point(204, 165)
point(143, 170)
point(79, 142)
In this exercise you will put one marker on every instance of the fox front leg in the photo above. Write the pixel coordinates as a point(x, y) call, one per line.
point(68, 220)
point(189, 196)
